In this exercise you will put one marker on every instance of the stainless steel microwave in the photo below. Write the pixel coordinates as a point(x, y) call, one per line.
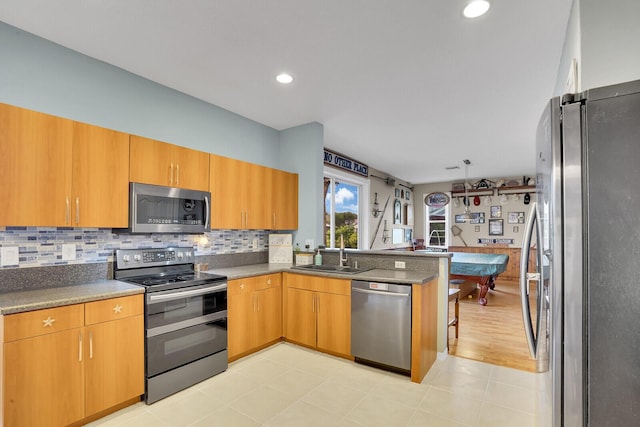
point(158, 209)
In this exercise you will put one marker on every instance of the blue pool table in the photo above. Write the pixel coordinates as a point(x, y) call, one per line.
point(480, 268)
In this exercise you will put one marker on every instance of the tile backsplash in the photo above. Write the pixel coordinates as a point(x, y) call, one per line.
point(42, 246)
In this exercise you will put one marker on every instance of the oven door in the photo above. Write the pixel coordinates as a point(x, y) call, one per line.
point(185, 325)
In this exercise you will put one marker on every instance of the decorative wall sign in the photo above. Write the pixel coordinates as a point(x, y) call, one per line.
point(345, 163)
point(436, 199)
point(496, 227)
point(516, 218)
point(478, 218)
point(495, 241)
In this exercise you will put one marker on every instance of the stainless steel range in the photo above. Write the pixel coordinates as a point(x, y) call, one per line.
point(185, 318)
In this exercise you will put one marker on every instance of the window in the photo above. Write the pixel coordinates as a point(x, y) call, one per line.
point(437, 224)
point(343, 203)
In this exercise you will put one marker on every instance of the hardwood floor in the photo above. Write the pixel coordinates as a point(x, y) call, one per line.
point(493, 333)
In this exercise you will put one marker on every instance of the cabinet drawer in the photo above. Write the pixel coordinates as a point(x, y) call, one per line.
point(268, 281)
point(318, 283)
point(112, 309)
point(41, 322)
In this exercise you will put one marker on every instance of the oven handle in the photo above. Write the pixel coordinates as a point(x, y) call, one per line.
point(186, 323)
point(207, 210)
point(184, 294)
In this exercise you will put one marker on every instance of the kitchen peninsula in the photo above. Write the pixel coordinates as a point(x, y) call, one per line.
point(425, 273)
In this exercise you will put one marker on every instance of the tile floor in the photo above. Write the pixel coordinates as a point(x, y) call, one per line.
point(287, 385)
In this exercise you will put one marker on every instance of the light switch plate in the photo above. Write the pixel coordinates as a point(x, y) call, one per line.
point(68, 252)
point(9, 256)
point(400, 264)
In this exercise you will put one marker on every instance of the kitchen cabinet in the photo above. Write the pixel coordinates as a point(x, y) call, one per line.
point(64, 364)
point(161, 163)
point(317, 312)
point(254, 314)
point(284, 200)
point(238, 195)
point(57, 172)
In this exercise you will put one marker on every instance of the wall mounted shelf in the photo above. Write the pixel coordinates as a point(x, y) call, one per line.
point(473, 192)
point(520, 189)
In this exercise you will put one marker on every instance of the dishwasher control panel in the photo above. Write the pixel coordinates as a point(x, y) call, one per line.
point(379, 286)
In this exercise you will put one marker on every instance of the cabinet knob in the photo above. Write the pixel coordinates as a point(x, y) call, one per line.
point(268, 281)
point(117, 309)
point(242, 286)
point(48, 322)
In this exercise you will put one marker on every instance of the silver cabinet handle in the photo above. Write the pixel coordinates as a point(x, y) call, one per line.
point(79, 346)
point(90, 345)
point(274, 219)
point(177, 174)
point(77, 210)
point(67, 213)
point(171, 174)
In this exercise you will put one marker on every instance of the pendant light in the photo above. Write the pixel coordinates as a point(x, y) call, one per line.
point(466, 215)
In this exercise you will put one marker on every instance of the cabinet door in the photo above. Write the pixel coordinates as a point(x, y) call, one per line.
point(285, 200)
point(191, 169)
point(301, 316)
point(241, 317)
point(35, 168)
point(334, 322)
point(151, 161)
point(114, 354)
point(255, 187)
point(228, 193)
point(44, 380)
point(100, 186)
point(268, 324)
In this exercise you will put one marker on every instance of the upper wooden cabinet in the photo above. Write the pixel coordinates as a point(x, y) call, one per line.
point(284, 207)
point(160, 163)
point(57, 172)
point(249, 196)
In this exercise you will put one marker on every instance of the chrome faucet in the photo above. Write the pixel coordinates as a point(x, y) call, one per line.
point(343, 256)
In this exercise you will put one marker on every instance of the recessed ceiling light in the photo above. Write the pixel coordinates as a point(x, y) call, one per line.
point(284, 78)
point(476, 8)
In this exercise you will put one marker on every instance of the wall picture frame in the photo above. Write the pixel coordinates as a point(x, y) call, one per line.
point(496, 227)
point(515, 218)
point(496, 211)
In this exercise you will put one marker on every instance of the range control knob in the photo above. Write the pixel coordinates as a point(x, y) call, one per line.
point(126, 258)
point(137, 258)
point(180, 255)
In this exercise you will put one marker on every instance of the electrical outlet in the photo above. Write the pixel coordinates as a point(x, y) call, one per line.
point(255, 244)
point(309, 243)
point(400, 264)
point(68, 252)
point(9, 255)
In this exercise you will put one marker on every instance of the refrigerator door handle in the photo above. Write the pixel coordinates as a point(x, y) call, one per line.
point(525, 277)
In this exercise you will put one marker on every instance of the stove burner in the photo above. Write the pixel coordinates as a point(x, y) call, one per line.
point(161, 281)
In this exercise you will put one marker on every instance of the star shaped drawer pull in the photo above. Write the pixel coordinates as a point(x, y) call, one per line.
point(48, 322)
point(117, 309)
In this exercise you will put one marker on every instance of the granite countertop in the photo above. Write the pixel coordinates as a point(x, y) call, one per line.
point(375, 275)
point(20, 301)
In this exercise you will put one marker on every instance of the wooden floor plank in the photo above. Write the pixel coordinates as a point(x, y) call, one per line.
point(493, 333)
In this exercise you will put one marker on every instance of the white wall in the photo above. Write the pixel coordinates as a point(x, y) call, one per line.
point(604, 37)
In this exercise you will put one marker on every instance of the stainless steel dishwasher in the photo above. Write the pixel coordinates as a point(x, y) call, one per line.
point(381, 324)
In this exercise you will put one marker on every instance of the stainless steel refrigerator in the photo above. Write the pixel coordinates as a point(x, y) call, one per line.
point(582, 306)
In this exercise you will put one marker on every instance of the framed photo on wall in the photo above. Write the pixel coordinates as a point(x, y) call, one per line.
point(496, 227)
point(496, 211)
point(516, 218)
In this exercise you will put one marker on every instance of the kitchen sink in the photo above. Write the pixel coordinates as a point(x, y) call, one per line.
point(331, 269)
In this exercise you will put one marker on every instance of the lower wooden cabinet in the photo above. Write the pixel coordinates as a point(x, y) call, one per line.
point(318, 312)
point(64, 364)
point(254, 313)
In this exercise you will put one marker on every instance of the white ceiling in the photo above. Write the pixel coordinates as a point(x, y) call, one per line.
point(405, 86)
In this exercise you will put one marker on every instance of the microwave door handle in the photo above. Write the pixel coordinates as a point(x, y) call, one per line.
point(206, 213)
point(524, 280)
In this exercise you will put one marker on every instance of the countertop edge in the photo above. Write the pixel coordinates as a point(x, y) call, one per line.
point(37, 299)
